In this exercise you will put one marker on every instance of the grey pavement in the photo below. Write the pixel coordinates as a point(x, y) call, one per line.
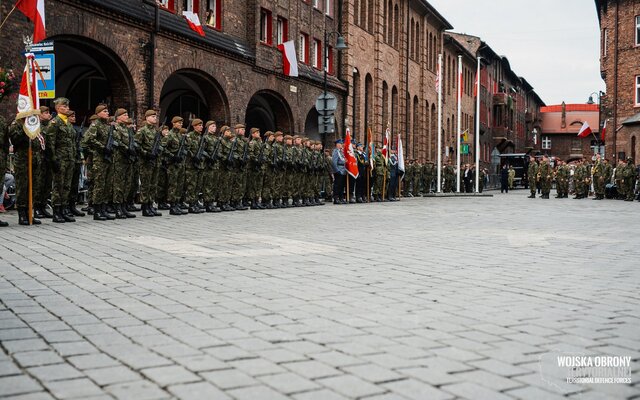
point(427, 298)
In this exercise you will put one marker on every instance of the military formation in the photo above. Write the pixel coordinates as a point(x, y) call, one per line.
point(582, 177)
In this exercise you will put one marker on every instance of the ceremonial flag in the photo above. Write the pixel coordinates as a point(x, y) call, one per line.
point(585, 130)
point(351, 163)
point(371, 149)
point(34, 10)
point(289, 58)
point(475, 86)
point(604, 130)
point(460, 83)
point(400, 155)
point(28, 101)
point(438, 77)
point(385, 145)
point(194, 22)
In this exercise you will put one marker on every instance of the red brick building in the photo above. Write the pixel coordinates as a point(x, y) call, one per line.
point(559, 131)
point(135, 54)
point(620, 69)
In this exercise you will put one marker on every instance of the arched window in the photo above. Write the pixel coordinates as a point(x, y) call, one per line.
point(357, 100)
point(418, 42)
point(396, 26)
point(426, 134)
point(370, 18)
point(363, 13)
point(412, 49)
point(390, 23)
point(356, 12)
point(416, 132)
point(394, 111)
point(368, 102)
point(385, 105)
point(433, 133)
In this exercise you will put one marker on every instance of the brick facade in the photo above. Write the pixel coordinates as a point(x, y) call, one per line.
point(620, 69)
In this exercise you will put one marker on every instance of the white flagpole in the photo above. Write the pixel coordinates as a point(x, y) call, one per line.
point(439, 149)
point(458, 144)
point(478, 129)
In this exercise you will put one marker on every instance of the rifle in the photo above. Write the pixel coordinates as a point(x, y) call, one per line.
point(283, 162)
point(133, 147)
point(244, 155)
point(155, 148)
point(214, 157)
point(181, 154)
point(79, 135)
point(200, 154)
point(230, 155)
point(274, 162)
point(108, 147)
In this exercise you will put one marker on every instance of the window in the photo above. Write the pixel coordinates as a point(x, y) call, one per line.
point(546, 143)
point(638, 91)
point(190, 5)
point(214, 14)
point(638, 30)
point(605, 37)
point(282, 30)
point(328, 7)
point(266, 35)
point(167, 4)
point(329, 60)
point(316, 53)
point(303, 48)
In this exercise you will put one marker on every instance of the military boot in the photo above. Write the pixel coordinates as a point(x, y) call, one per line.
point(23, 217)
point(194, 209)
point(74, 211)
point(97, 214)
point(109, 216)
point(37, 212)
point(227, 207)
point(146, 211)
point(254, 205)
point(126, 212)
point(267, 204)
point(154, 210)
point(131, 207)
point(119, 211)
point(58, 217)
point(240, 206)
point(46, 212)
point(174, 209)
point(164, 206)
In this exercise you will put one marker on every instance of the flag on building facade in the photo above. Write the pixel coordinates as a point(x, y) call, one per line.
point(28, 101)
point(439, 69)
point(194, 22)
point(351, 162)
point(604, 131)
point(289, 58)
point(34, 10)
point(585, 130)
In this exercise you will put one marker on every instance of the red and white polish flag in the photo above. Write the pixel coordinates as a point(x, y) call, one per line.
point(351, 163)
point(34, 10)
point(585, 130)
point(194, 22)
point(289, 58)
point(604, 131)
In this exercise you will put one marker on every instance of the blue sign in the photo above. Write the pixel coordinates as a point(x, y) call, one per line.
point(46, 77)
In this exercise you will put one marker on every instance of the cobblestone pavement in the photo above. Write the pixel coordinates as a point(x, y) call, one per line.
point(423, 299)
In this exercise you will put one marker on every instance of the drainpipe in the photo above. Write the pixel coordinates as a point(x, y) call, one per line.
point(615, 84)
point(406, 88)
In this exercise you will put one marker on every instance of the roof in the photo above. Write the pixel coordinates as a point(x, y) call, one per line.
point(570, 108)
point(435, 13)
point(632, 120)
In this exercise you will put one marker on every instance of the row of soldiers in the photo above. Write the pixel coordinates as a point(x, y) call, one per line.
point(600, 173)
point(211, 170)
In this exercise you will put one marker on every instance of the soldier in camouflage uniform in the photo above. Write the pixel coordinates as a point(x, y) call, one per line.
point(629, 176)
point(319, 171)
point(619, 179)
point(255, 169)
point(61, 151)
point(599, 179)
point(21, 144)
point(240, 157)
point(279, 165)
point(77, 169)
point(562, 179)
point(532, 172)
point(130, 193)
point(381, 176)
point(297, 171)
point(268, 171)
point(306, 180)
point(122, 161)
point(546, 175)
point(102, 171)
point(41, 167)
point(163, 181)
point(449, 176)
point(579, 177)
point(289, 173)
point(429, 172)
point(195, 165)
point(327, 181)
point(409, 176)
point(211, 174)
point(175, 149)
point(227, 149)
point(87, 155)
point(149, 139)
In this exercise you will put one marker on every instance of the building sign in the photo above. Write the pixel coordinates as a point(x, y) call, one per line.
point(45, 59)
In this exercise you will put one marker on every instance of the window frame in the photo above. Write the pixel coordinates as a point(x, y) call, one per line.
point(328, 8)
point(316, 4)
point(605, 39)
point(303, 48)
point(637, 90)
point(170, 6)
point(217, 12)
point(282, 29)
point(328, 59)
point(637, 23)
point(266, 31)
point(316, 53)
point(545, 142)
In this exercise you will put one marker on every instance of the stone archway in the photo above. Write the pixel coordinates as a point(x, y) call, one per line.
point(269, 111)
point(311, 125)
point(191, 93)
point(89, 73)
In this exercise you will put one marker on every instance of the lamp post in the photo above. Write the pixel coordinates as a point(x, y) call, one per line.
point(340, 45)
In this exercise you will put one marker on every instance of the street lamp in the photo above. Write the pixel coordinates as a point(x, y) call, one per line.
point(340, 45)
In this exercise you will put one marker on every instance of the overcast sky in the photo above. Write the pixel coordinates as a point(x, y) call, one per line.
point(554, 45)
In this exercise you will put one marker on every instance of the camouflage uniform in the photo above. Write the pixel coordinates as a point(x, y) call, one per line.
point(545, 174)
point(629, 176)
point(149, 139)
point(532, 173)
point(61, 150)
point(211, 173)
point(381, 174)
point(21, 144)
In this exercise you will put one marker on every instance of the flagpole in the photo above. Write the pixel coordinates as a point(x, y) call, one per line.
point(439, 149)
point(30, 172)
point(478, 129)
point(8, 15)
point(459, 145)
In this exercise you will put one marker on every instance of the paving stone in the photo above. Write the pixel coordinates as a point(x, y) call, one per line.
point(198, 391)
point(13, 385)
point(288, 383)
point(55, 372)
point(74, 388)
point(170, 375)
point(414, 389)
point(110, 375)
point(229, 378)
point(141, 390)
point(323, 394)
point(91, 361)
point(350, 386)
point(311, 369)
point(470, 390)
point(36, 358)
point(8, 368)
point(372, 373)
point(256, 392)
